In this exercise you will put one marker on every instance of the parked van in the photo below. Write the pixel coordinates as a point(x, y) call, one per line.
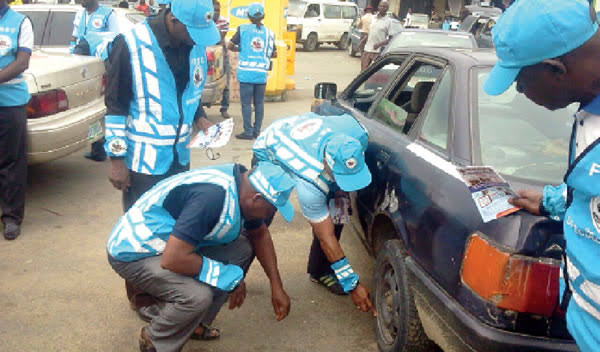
point(318, 22)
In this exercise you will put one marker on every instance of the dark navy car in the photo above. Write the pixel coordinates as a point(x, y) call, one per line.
point(443, 276)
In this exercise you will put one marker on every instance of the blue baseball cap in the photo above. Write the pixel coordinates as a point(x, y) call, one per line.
point(531, 31)
point(346, 159)
point(256, 9)
point(275, 185)
point(197, 16)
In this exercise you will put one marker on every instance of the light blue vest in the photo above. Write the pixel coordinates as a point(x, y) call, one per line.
point(13, 92)
point(96, 22)
point(144, 230)
point(158, 119)
point(298, 144)
point(256, 48)
point(100, 43)
point(582, 235)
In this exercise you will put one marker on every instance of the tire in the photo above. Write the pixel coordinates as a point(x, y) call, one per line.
point(343, 43)
point(397, 326)
point(351, 51)
point(312, 42)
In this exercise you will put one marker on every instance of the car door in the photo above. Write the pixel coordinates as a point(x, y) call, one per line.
point(332, 26)
point(312, 20)
point(349, 14)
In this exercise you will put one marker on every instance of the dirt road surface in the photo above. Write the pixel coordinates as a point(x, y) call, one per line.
point(58, 293)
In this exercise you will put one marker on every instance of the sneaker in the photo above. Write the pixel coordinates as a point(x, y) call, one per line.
point(12, 230)
point(145, 342)
point(331, 283)
point(256, 134)
point(244, 136)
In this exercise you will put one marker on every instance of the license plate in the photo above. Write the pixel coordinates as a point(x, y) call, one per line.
point(95, 130)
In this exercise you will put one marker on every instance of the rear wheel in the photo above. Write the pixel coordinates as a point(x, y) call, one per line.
point(343, 43)
point(398, 327)
point(312, 42)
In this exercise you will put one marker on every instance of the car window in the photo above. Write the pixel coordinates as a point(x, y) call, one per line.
point(332, 11)
point(313, 10)
point(519, 138)
point(61, 28)
point(296, 8)
point(403, 103)
point(435, 124)
point(38, 21)
point(348, 12)
point(378, 78)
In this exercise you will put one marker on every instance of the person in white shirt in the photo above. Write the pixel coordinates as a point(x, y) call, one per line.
point(380, 33)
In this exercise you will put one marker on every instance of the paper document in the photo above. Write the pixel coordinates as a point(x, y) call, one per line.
point(489, 191)
point(218, 136)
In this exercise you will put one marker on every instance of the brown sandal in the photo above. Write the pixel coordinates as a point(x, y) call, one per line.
point(207, 334)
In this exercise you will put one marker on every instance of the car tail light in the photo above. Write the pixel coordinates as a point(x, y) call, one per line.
point(210, 58)
point(47, 103)
point(511, 281)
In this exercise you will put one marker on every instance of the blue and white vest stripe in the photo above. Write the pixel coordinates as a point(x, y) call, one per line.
point(144, 230)
point(100, 43)
point(13, 92)
point(257, 46)
point(146, 137)
point(96, 22)
point(298, 144)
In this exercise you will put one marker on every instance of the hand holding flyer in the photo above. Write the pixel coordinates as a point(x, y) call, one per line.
point(489, 191)
point(218, 136)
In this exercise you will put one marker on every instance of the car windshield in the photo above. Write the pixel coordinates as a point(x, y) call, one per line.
point(441, 39)
point(296, 8)
point(519, 138)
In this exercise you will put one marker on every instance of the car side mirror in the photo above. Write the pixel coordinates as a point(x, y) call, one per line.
point(326, 90)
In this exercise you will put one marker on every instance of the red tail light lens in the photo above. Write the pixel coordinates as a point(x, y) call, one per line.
point(511, 281)
point(47, 103)
point(210, 58)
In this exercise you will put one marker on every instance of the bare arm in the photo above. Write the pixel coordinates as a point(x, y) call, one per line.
point(265, 253)
point(16, 67)
point(179, 257)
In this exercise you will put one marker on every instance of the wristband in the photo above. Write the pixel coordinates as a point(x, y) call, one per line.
point(345, 274)
point(222, 276)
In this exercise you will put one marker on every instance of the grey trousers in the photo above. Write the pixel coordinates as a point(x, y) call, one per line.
point(185, 301)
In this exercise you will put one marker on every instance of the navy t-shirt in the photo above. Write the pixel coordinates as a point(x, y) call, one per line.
point(197, 208)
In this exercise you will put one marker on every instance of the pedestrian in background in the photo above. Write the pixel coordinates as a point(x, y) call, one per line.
point(256, 45)
point(380, 33)
point(555, 63)
point(15, 51)
point(143, 7)
point(223, 27)
point(364, 24)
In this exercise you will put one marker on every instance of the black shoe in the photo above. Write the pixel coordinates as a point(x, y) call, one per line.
point(331, 283)
point(244, 136)
point(256, 134)
point(225, 114)
point(12, 230)
point(94, 157)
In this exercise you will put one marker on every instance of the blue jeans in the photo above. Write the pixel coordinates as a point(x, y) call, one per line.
point(252, 92)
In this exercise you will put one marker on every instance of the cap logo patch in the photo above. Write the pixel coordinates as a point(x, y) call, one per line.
point(306, 129)
point(351, 163)
point(208, 17)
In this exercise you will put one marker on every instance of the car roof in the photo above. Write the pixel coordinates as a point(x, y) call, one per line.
point(468, 57)
point(435, 31)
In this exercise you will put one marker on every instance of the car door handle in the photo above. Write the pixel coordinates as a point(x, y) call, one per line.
point(382, 158)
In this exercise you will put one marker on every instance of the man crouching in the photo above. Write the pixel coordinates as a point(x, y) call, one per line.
point(181, 243)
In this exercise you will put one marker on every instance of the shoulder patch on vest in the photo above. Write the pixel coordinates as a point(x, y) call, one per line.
point(595, 212)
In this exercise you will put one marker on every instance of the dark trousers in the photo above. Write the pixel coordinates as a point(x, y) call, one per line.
point(141, 183)
point(225, 99)
point(318, 264)
point(252, 93)
point(13, 162)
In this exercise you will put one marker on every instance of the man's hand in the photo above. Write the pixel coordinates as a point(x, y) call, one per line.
point(528, 200)
point(119, 174)
point(204, 124)
point(360, 297)
point(237, 297)
point(281, 303)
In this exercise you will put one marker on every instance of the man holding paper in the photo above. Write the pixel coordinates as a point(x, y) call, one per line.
point(325, 157)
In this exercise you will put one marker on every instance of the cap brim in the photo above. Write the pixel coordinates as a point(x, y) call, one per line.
point(354, 182)
point(287, 211)
point(500, 79)
point(204, 36)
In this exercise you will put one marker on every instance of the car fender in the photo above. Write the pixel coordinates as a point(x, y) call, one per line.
point(386, 226)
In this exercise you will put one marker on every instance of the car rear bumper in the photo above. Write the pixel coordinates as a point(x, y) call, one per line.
point(460, 330)
point(213, 91)
point(61, 134)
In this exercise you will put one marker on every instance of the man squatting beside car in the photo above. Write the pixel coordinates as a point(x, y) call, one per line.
point(93, 18)
point(551, 48)
point(152, 99)
point(16, 42)
point(182, 242)
point(325, 157)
